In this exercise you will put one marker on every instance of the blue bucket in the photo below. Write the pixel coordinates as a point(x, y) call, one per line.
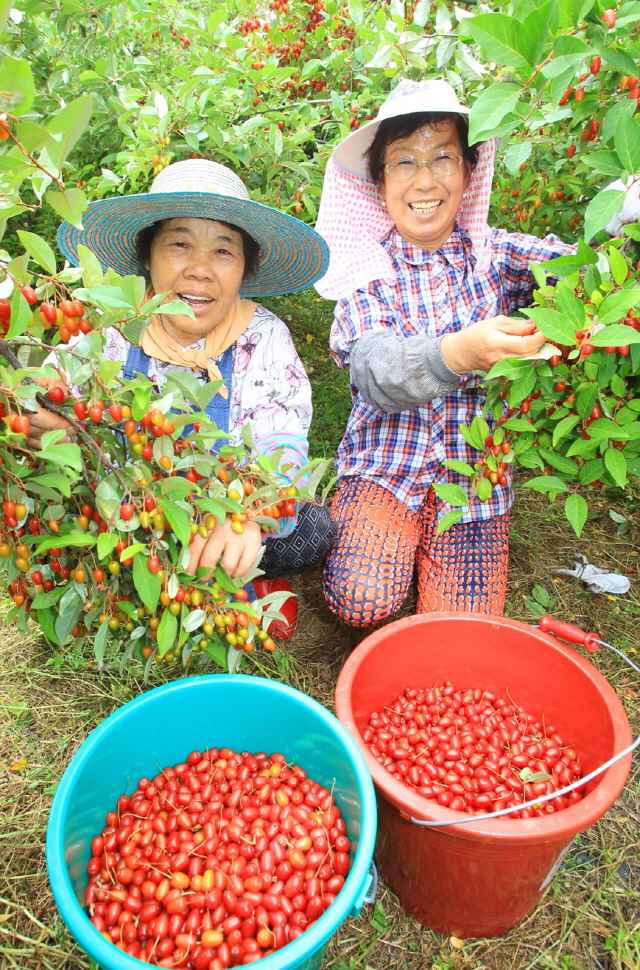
point(160, 728)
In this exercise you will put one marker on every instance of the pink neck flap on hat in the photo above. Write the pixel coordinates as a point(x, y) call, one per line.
point(353, 221)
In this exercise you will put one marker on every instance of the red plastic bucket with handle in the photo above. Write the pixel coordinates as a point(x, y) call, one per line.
point(481, 877)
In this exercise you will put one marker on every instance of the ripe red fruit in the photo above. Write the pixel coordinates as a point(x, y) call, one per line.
point(29, 294)
point(579, 95)
point(49, 312)
point(77, 309)
point(154, 564)
point(98, 575)
point(281, 125)
point(5, 311)
point(36, 578)
point(20, 424)
point(596, 62)
point(95, 413)
point(80, 409)
point(609, 17)
point(149, 504)
point(115, 410)
point(127, 510)
point(57, 394)
point(571, 150)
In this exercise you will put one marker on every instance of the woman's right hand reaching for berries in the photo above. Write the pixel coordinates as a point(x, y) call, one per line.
point(483, 344)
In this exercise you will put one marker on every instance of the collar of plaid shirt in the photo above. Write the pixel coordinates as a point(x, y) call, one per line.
point(456, 251)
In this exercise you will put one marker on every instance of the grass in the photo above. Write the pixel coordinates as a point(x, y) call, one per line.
point(589, 918)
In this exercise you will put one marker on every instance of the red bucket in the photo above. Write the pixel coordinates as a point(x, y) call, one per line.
point(482, 877)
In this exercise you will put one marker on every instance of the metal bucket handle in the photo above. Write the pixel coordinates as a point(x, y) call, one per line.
point(591, 642)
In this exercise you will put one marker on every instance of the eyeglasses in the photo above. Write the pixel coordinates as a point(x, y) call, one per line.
point(442, 165)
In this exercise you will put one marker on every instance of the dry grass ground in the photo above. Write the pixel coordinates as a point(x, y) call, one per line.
point(590, 917)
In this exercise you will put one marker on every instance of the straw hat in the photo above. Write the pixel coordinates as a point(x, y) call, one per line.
point(293, 255)
point(408, 97)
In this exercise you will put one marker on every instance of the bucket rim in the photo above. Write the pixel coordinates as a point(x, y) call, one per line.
point(555, 827)
point(74, 914)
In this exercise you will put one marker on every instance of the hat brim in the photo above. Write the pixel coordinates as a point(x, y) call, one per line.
point(293, 256)
point(349, 155)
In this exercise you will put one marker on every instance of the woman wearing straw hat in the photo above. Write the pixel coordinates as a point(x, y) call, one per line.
point(426, 291)
point(198, 237)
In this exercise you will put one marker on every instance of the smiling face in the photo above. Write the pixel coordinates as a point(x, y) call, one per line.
point(424, 209)
point(201, 262)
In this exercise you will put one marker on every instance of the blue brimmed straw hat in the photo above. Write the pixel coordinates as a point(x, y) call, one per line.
point(293, 255)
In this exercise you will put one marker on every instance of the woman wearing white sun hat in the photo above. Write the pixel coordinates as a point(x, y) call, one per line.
point(425, 294)
point(197, 236)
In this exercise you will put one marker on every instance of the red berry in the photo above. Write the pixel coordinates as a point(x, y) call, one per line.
point(115, 410)
point(80, 409)
point(127, 510)
point(57, 394)
point(29, 294)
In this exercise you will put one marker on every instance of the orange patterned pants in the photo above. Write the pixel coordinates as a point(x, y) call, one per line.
point(380, 542)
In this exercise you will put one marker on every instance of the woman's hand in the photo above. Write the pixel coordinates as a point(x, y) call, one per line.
point(483, 344)
point(42, 421)
point(237, 552)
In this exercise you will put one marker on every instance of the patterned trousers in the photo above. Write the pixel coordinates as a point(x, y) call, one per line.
point(380, 542)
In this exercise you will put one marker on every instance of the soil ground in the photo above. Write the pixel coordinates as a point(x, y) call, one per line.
point(590, 916)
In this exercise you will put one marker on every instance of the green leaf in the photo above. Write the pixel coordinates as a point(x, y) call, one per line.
point(421, 13)
point(132, 551)
point(20, 315)
point(560, 462)
point(107, 541)
point(619, 60)
point(500, 38)
point(563, 428)
point(448, 520)
point(16, 82)
point(546, 483)
point(604, 428)
point(452, 494)
point(490, 108)
point(54, 480)
point(618, 265)
point(587, 397)
point(576, 510)
point(68, 455)
point(568, 51)
point(356, 12)
point(615, 306)
point(67, 126)
point(565, 265)
point(92, 274)
point(41, 251)
point(167, 632)
point(460, 467)
point(553, 325)
point(53, 542)
point(484, 489)
point(44, 600)
point(47, 625)
point(516, 154)
point(147, 584)
point(616, 465)
point(472, 438)
point(627, 142)
point(535, 29)
point(601, 210)
point(570, 307)
point(100, 642)
point(178, 520)
point(605, 162)
point(71, 606)
point(69, 204)
point(615, 335)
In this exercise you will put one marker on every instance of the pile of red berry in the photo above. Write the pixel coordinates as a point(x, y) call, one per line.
point(217, 862)
point(473, 751)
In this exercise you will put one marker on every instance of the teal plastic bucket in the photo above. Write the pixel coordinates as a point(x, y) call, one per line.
point(160, 728)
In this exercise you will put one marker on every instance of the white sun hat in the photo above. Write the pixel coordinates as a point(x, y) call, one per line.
point(352, 218)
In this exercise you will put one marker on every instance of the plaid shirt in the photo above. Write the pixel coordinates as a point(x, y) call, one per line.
point(435, 293)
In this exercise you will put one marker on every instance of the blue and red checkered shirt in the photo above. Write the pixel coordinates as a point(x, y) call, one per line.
point(435, 293)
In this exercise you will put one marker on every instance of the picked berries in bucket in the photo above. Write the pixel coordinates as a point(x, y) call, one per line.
point(217, 862)
point(473, 751)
